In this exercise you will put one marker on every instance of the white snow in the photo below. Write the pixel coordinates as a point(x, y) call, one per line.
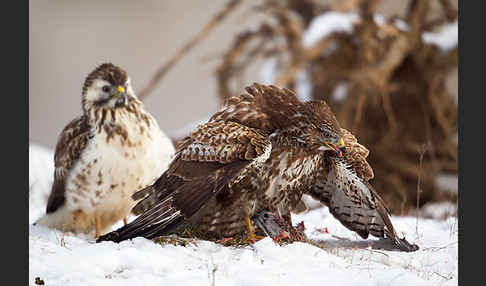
point(268, 71)
point(331, 22)
point(41, 176)
point(401, 25)
point(66, 259)
point(327, 23)
point(446, 38)
point(448, 182)
point(303, 86)
point(379, 19)
point(438, 211)
point(340, 91)
point(62, 259)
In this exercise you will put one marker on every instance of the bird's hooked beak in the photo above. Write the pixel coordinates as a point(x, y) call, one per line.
point(121, 97)
point(338, 149)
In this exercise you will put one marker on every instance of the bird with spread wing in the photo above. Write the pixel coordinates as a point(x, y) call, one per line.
point(261, 152)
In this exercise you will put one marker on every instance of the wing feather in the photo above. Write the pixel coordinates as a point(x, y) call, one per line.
point(72, 141)
point(355, 156)
point(257, 108)
point(355, 203)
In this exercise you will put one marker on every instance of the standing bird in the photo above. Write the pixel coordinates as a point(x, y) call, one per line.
point(103, 156)
point(262, 152)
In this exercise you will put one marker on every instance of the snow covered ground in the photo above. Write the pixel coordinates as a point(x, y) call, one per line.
point(344, 259)
point(41, 176)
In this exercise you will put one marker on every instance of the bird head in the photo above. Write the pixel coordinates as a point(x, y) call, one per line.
point(325, 134)
point(108, 86)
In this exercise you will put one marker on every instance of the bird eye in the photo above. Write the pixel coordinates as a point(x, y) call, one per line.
point(105, 88)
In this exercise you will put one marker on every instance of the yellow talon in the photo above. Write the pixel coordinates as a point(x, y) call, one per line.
point(249, 228)
point(251, 237)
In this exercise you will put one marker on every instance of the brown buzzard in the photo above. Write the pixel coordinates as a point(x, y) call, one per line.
point(102, 157)
point(262, 151)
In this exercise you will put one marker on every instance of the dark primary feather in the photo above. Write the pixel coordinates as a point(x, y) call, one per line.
point(71, 143)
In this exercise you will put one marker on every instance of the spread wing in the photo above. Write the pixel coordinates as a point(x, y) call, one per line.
point(355, 203)
point(71, 143)
point(207, 160)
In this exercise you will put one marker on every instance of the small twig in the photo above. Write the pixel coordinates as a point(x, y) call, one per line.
point(390, 115)
point(376, 251)
point(421, 152)
point(62, 241)
point(428, 137)
point(340, 238)
point(359, 111)
point(437, 248)
point(446, 278)
point(187, 47)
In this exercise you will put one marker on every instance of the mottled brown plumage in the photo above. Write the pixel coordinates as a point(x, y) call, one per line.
point(262, 151)
point(74, 138)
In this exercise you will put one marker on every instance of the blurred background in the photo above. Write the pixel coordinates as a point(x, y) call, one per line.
point(394, 63)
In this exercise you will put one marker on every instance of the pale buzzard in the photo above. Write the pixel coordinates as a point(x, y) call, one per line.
point(102, 157)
